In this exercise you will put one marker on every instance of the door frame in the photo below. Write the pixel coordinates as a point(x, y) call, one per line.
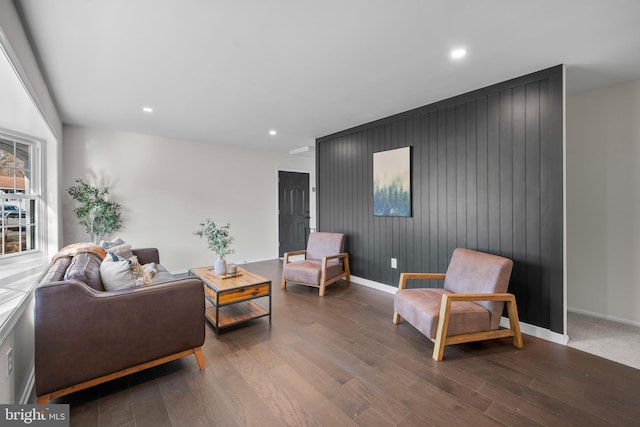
point(312, 202)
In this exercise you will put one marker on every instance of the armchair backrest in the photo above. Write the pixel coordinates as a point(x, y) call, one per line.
point(322, 244)
point(472, 272)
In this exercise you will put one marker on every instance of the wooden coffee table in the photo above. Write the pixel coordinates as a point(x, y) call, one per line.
point(232, 297)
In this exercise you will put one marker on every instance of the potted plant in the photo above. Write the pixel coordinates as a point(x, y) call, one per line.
point(98, 215)
point(218, 240)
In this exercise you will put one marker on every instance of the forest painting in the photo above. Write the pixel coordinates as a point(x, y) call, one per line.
point(392, 182)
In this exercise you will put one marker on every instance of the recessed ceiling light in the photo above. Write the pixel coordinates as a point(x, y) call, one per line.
point(272, 132)
point(147, 109)
point(458, 53)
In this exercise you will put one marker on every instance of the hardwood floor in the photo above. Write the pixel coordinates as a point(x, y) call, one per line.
point(339, 360)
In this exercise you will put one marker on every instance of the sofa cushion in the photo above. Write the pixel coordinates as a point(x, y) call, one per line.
point(86, 268)
point(116, 274)
point(162, 275)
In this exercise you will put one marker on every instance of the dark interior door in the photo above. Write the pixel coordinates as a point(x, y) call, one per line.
point(293, 205)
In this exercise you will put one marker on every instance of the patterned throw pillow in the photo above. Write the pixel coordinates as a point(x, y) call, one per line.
point(123, 251)
point(118, 247)
point(105, 244)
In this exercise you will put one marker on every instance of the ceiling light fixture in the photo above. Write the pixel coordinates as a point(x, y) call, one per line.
point(458, 53)
point(147, 109)
point(272, 132)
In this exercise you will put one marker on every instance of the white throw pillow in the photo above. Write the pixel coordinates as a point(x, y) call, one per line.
point(116, 274)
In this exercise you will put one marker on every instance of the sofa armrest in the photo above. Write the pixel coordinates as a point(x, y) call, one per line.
point(147, 255)
point(81, 334)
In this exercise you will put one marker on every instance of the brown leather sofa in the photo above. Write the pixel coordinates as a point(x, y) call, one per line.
point(85, 335)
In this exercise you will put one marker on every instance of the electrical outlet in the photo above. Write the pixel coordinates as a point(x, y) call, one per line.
point(9, 362)
point(394, 263)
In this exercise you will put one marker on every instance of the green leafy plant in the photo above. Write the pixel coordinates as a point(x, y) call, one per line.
point(218, 238)
point(98, 215)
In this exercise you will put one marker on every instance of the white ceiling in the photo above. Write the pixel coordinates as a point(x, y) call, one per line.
point(227, 72)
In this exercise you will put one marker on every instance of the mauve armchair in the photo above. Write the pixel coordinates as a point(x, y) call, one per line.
point(325, 262)
point(469, 307)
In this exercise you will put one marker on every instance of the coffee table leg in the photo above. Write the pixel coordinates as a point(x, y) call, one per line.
point(217, 321)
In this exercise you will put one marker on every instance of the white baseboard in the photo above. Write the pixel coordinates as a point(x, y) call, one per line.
point(537, 331)
point(526, 328)
point(603, 316)
point(375, 285)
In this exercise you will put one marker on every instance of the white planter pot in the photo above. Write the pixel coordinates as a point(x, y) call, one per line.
point(220, 266)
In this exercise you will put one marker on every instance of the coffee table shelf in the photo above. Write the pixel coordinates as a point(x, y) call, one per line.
point(236, 313)
point(232, 299)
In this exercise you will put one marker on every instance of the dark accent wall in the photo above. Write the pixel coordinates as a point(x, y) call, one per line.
point(487, 174)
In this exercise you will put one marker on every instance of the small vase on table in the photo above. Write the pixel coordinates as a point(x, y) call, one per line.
point(220, 266)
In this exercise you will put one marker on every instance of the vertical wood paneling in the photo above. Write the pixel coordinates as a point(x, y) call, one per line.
point(482, 177)
point(533, 194)
point(418, 214)
point(461, 176)
point(423, 188)
point(441, 191)
point(493, 172)
point(471, 171)
point(506, 174)
point(486, 174)
point(554, 108)
point(450, 184)
point(368, 194)
point(546, 219)
point(518, 276)
point(434, 229)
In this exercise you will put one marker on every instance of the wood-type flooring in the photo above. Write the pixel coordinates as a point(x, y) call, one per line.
point(340, 361)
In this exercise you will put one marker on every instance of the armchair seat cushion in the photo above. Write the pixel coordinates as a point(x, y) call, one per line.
point(421, 308)
point(309, 271)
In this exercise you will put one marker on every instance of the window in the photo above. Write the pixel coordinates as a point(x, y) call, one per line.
point(19, 195)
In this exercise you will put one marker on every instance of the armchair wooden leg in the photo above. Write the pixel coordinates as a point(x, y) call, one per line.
point(323, 277)
point(396, 318)
point(283, 284)
point(514, 322)
point(347, 270)
point(443, 326)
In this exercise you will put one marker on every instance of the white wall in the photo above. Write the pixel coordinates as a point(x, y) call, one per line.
point(603, 202)
point(26, 107)
point(167, 187)
point(15, 42)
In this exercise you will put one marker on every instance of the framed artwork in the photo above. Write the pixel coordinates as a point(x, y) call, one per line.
point(392, 182)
